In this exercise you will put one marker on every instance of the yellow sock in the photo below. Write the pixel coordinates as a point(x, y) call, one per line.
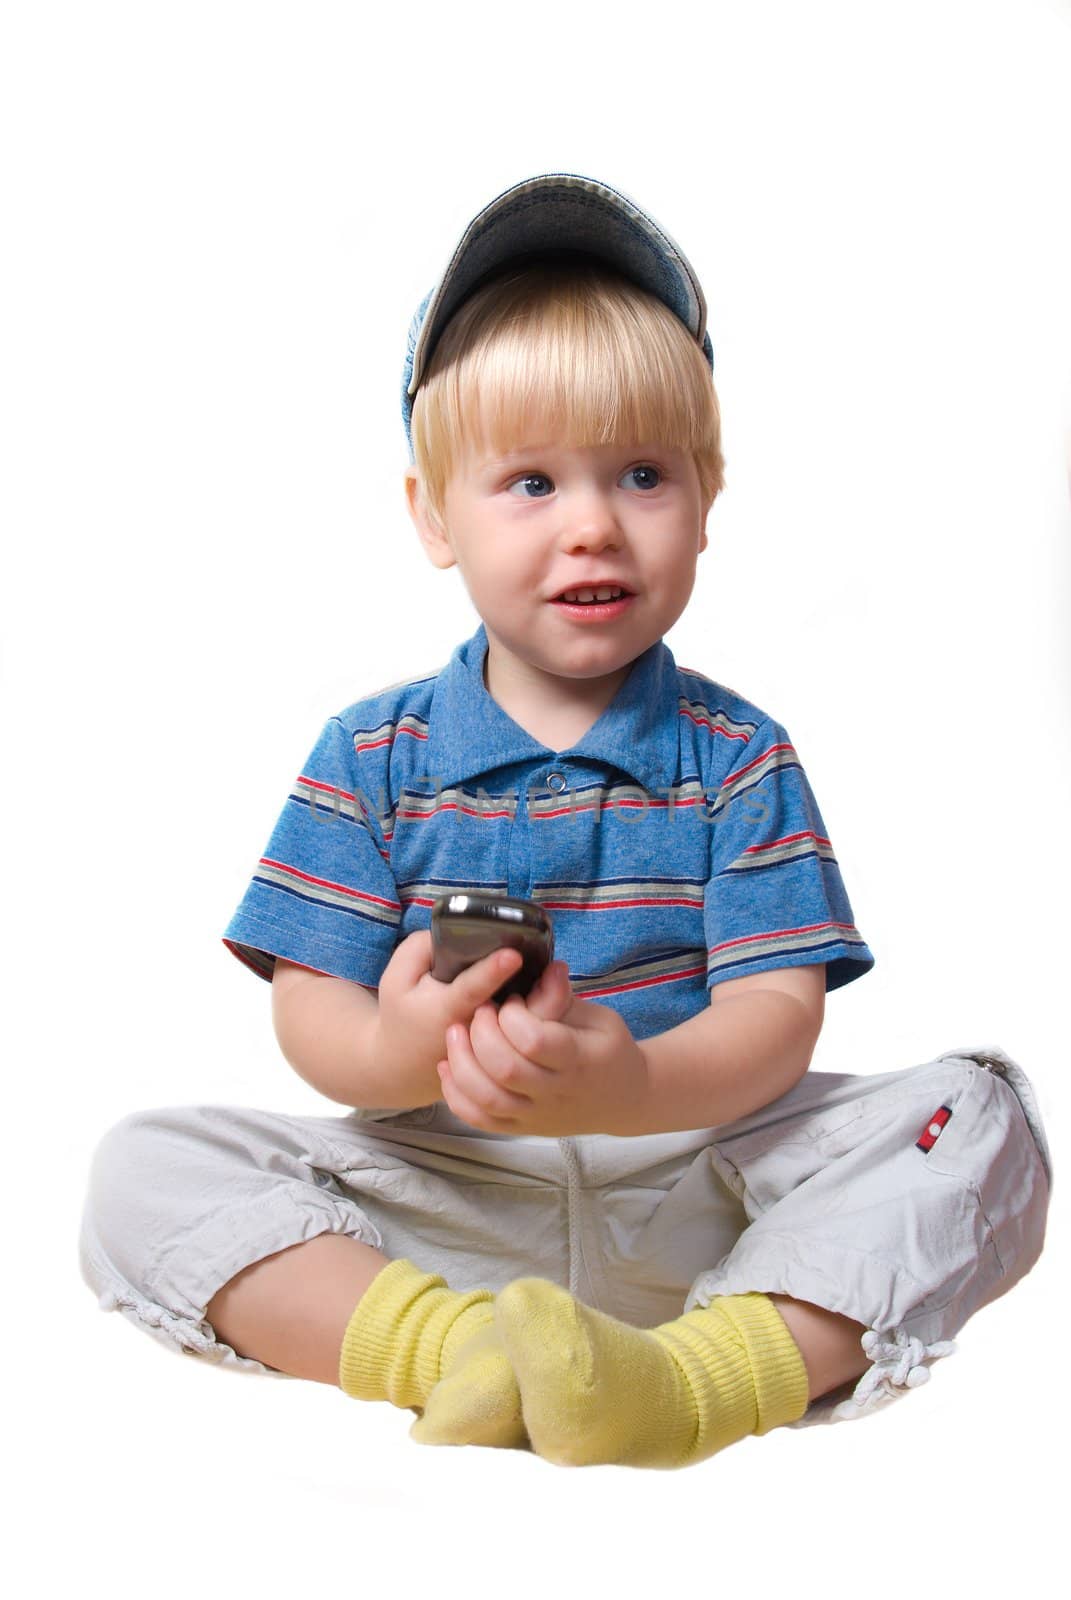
point(594, 1389)
point(477, 1401)
point(409, 1330)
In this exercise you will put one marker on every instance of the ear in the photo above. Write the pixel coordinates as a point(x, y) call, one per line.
point(433, 535)
point(703, 539)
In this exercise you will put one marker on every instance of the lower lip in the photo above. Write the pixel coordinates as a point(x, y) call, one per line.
point(598, 611)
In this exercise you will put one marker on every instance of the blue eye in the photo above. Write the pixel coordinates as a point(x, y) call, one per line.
point(531, 477)
point(649, 477)
point(648, 473)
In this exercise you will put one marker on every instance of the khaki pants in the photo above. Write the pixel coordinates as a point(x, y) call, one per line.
point(906, 1200)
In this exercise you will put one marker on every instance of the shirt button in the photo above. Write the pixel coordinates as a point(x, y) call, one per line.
point(556, 781)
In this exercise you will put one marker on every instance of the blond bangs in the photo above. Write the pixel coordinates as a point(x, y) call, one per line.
point(569, 353)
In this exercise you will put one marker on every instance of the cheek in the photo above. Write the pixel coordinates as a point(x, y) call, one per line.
point(506, 563)
point(685, 572)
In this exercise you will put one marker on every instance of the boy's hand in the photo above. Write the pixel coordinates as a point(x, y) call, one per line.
point(416, 1009)
point(548, 1064)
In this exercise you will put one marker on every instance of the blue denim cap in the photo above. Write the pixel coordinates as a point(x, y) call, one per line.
point(556, 212)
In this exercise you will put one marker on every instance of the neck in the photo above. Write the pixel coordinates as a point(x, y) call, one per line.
point(556, 719)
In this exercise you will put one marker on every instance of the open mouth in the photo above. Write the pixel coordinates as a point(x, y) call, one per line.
point(603, 595)
point(598, 605)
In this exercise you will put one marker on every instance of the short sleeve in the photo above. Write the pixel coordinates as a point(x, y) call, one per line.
point(323, 893)
point(775, 897)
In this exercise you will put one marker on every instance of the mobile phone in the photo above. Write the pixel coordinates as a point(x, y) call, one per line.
point(466, 927)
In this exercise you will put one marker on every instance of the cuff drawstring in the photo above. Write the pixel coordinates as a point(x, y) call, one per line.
point(900, 1361)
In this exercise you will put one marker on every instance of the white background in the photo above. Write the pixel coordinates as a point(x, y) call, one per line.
point(218, 220)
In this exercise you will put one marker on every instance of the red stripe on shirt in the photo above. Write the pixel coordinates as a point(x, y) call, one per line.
point(326, 883)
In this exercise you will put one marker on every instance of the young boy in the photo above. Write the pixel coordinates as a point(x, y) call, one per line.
point(693, 1238)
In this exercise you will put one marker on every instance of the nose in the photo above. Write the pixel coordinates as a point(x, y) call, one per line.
point(588, 520)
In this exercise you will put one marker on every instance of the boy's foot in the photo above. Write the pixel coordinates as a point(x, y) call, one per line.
point(477, 1401)
point(594, 1389)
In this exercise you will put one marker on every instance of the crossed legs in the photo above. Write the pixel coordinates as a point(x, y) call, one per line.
point(290, 1311)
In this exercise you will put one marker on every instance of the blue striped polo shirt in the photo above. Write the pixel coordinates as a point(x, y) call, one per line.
point(677, 845)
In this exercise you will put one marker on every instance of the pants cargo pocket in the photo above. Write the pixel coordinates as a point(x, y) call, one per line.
point(906, 1204)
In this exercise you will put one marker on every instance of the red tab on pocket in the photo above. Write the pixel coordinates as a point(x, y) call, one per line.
point(932, 1131)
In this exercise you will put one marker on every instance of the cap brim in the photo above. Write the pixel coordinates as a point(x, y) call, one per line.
point(562, 211)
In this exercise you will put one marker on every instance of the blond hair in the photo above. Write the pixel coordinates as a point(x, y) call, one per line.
point(575, 342)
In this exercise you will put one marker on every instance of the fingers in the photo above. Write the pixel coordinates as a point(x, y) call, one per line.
point(504, 1042)
point(547, 1046)
point(553, 994)
point(482, 1075)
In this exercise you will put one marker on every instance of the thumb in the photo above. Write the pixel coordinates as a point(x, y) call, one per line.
point(414, 956)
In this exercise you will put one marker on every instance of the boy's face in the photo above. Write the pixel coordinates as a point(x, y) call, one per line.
point(547, 518)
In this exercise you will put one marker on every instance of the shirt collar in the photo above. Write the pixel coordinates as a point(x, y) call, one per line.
point(469, 733)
